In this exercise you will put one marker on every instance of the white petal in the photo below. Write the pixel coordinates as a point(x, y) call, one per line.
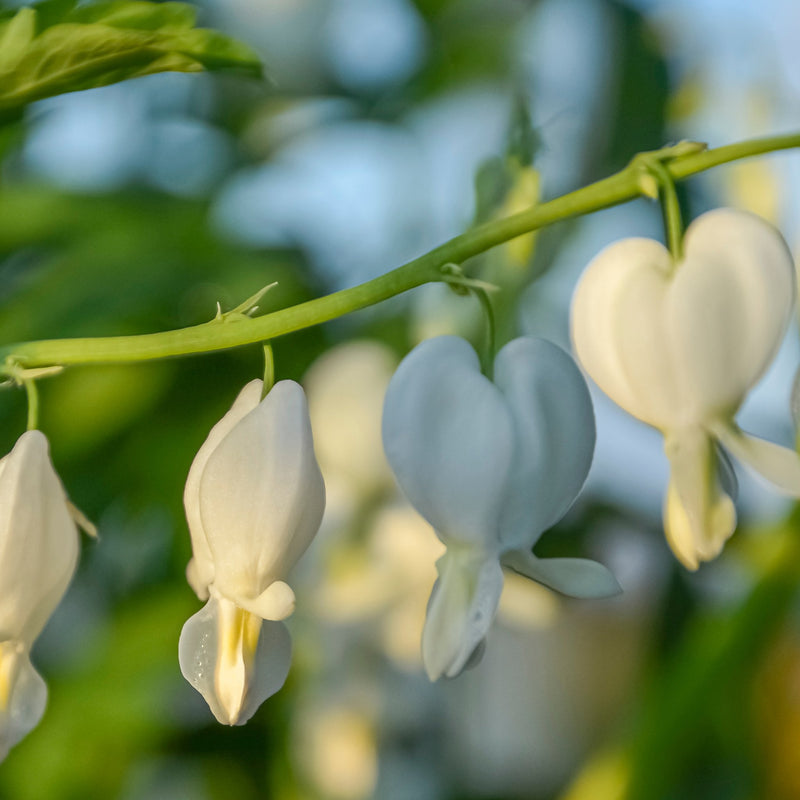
point(23, 695)
point(554, 437)
point(794, 402)
point(275, 603)
point(38, 539)
point(779, 465)
point(218, 656)
point(448, 436)
point(617, 329)
point(678, 346)
point(729, 306)
point(200, 570)
point(262, 494)
point(461, 609)
point(698, 516)
point(575, 577)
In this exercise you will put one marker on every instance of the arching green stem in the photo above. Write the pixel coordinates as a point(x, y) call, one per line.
point(679, 161)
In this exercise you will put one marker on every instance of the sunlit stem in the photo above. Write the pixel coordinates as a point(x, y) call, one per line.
point(269, 370)
point(679, 161)
point(33, 403)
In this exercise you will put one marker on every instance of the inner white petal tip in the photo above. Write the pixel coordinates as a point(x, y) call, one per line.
point(234, 659)
point(462, 607)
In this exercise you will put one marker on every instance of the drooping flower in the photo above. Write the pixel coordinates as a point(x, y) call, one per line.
point(254, 499)
point(679, 345)
point(491, 466)
point(38, 555)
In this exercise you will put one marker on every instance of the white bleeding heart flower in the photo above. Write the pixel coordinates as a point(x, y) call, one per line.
point(254, 500)
point(491, 466)
point(38, 555)
point(679, 346)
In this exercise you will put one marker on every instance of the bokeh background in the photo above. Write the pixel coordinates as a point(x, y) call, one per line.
point(386, 127)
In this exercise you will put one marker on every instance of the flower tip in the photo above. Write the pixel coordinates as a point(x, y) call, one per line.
point(23, 696)
point(695, 534)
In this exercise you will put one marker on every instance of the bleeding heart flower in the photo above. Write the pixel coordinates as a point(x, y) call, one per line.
point(491, 466)
point(38, 554)
point(679, 345)
point(254, 500)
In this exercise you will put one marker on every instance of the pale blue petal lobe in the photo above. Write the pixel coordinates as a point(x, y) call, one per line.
point(574, 577)
point(448, 436)
point(555, 435)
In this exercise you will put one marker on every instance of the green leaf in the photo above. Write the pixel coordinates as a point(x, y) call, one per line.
point(15, 36)
point(57, 48)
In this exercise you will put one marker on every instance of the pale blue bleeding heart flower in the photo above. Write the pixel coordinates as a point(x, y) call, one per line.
point(679, 345)
point(490, 465)
point(38, 555)
point(254, 500)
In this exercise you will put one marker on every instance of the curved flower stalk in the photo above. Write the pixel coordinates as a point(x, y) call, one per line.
point(490, 466)
point(38, 555)
point(254, 499)
point(679, 346)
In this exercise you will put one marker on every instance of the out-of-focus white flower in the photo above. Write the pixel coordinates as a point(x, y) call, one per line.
point(345, 388)
point(336, 747)
point(679, 346)
point(38, 554)
point(254, 499)
point(383, 579)
point(491, 466)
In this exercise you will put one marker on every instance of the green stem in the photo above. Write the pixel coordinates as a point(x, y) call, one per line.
point(680, 162)
point(488, 313)
point(671, 210)
point(33, 403)
point(269, 370)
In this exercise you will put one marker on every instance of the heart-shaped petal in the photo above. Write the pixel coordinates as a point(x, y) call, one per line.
point(554, 437)
point(681, 345)
point(262, 495)
point(448, 436)
point(38, 539)
point(200, 570)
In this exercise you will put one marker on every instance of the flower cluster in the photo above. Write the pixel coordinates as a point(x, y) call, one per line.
point(489, 463)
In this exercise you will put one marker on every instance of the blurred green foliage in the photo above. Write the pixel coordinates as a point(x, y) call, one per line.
point(59, 46)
